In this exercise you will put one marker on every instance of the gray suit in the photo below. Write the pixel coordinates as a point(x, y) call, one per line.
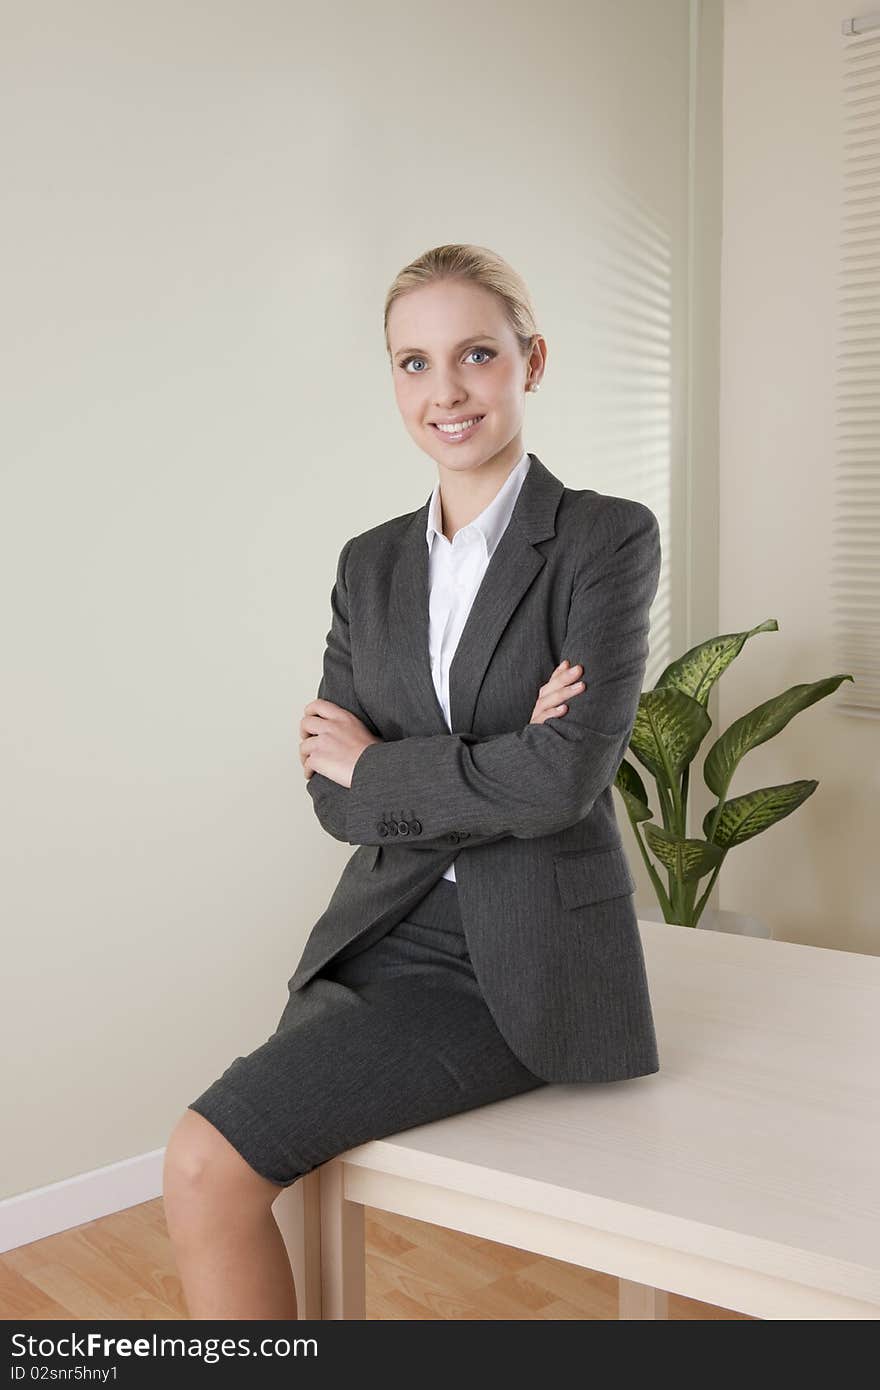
point(526, 810)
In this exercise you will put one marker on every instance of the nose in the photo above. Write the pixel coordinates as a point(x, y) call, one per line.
point(450, 396)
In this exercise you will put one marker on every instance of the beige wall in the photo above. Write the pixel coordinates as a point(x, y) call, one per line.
point(815, 876)
point(205, 206)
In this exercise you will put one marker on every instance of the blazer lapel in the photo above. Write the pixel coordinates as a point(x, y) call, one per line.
point(511, 570)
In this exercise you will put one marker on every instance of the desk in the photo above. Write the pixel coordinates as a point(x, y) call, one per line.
point(744, 1173)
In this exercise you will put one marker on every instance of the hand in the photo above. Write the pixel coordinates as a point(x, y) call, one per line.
point(565, 680)
point(332, 741)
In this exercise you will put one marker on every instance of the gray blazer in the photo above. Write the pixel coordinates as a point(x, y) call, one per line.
point(526, 810)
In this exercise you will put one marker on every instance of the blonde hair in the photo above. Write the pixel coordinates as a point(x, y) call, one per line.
point(479, 265)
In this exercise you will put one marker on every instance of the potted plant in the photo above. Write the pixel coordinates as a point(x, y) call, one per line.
point(671, 723)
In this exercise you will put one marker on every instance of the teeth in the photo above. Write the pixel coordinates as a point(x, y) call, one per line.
point(457, 429)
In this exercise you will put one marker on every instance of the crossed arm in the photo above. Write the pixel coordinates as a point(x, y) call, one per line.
point(533, 781)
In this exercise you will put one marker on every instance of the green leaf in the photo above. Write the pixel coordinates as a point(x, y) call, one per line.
point(759, 725)
point(668, 730)
point(632, 788)
point(697, 671)
point(688, 859)
point(745, 816)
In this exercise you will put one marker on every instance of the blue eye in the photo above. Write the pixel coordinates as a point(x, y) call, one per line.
point(488, 352)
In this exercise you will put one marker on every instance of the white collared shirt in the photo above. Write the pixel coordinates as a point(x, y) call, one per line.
point(455, 572)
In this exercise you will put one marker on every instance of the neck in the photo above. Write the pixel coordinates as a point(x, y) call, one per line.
point(464, 494)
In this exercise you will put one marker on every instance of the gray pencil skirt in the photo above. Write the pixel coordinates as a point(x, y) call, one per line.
point(392, 1032)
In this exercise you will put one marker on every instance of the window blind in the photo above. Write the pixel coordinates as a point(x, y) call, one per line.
point(855, 558)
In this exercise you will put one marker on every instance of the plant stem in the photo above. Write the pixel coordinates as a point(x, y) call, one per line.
point(702, 903)
point(654, 876)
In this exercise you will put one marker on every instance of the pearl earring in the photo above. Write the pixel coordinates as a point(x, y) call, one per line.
point(535, 386)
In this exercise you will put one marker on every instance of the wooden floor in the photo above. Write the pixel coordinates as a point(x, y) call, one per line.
point(122, 1266)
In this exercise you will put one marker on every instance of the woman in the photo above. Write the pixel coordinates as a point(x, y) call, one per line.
point(395, 1017)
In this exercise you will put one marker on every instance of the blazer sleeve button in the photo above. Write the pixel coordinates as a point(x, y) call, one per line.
point(452, 837)
point(415, 827)
point(403, 827)
point(381, 829)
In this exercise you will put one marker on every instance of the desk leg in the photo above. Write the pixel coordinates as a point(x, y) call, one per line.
point(641, 1301)
point(297, 1213)
point(343, 1253)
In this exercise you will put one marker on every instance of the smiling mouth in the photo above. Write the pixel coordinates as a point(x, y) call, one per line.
point(460, 431)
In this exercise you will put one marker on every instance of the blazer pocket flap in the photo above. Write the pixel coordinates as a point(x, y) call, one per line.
point(589, 876)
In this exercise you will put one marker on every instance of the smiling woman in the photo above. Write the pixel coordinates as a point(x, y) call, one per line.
point(485, 922)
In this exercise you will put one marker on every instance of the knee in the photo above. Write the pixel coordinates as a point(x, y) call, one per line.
point(203, 1172)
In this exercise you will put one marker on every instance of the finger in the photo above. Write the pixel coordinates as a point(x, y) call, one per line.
point(549, 712)
point(546, 705)
point(553, 703)
point(563, 676)
point(570, 678)
point(551, 698)
point(313, 724)
point(562, 685)
point(325, 708)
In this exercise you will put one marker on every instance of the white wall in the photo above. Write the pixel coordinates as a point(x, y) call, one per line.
point(205, 206)
point(815, 876)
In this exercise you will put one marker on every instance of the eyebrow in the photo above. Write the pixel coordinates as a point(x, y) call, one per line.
point(475, 337)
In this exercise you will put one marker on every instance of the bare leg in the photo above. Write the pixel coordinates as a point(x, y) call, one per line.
point(228, 1248)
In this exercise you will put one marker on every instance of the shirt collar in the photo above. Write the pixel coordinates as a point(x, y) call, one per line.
point(493, 519)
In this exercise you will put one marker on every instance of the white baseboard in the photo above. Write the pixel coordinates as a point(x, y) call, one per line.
point(44, 1211)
